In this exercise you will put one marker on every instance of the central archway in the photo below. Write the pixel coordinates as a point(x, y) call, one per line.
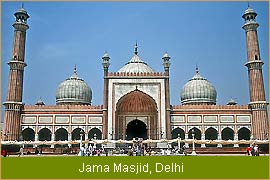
point(136, 129)
point(136, 116)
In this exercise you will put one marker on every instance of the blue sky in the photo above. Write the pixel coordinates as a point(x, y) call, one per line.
point(63, 34)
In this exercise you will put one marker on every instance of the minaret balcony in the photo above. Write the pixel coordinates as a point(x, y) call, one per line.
point(254, 64)
point(17, 65)
point(250, 26)
point(21, 26)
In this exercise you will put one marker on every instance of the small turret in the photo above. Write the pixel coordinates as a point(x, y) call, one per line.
point(106, 61)
point(231, 102)
point(166, 62)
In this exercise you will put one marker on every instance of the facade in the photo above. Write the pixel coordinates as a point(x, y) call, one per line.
point(136, 102)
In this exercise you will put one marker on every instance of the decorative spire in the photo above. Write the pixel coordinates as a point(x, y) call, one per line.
point(74, 76)
point(136, 48)
point(197, 69)
point(75, 70)
point(22, 5)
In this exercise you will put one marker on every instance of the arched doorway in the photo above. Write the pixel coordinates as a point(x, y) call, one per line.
point(44, 135)
point(243, 134)
point(136, 129)
point(61, 134)
point(136, 109)
point(227, 134)
point(95, 133)
point(28, 134)
point(197, 136)
point(76, 135)
point(178, 132)
point(211, 134)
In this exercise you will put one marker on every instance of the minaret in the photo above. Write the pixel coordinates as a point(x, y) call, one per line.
point(254, 64)
point(166, 63)
point(106, 64)
point(13, 102)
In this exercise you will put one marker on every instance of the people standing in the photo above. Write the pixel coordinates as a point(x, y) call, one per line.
point(256, 150)
point(184, 150)
point(90, 149)
point(21, 152)
point(36, 151)
point(252, 150)
point(248, 150)
point(106, 151)
point(4, 152)
point(162, 152)
point(82, 151)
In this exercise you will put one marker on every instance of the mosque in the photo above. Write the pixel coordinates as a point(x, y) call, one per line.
point(136, 101)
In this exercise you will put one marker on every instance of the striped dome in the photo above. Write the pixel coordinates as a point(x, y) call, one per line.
point(198, 91)
point(73, 91)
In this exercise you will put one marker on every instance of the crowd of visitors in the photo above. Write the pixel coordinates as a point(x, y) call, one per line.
point(253, 150)
point(137, 149)
point(92, 151)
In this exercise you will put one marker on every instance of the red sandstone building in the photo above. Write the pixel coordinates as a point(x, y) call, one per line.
point(136, 101)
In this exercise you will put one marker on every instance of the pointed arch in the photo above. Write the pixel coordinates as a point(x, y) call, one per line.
point(243, 134)
point(227, 134)
point(44, 134)
point(28, 134)
point(211, 134)
point(136, 102)
point(61, 134)
point(76, 135)
point(94, 132)
point(198, 135)
point(133, 106)
point(176, 133)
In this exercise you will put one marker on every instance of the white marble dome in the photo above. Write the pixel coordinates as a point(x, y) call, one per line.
point(198, 90)
point(136, 65)
point(73, 91)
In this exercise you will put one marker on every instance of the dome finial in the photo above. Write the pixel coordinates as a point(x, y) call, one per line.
point(136, 48)
point(197, 69)
point(75, 70)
